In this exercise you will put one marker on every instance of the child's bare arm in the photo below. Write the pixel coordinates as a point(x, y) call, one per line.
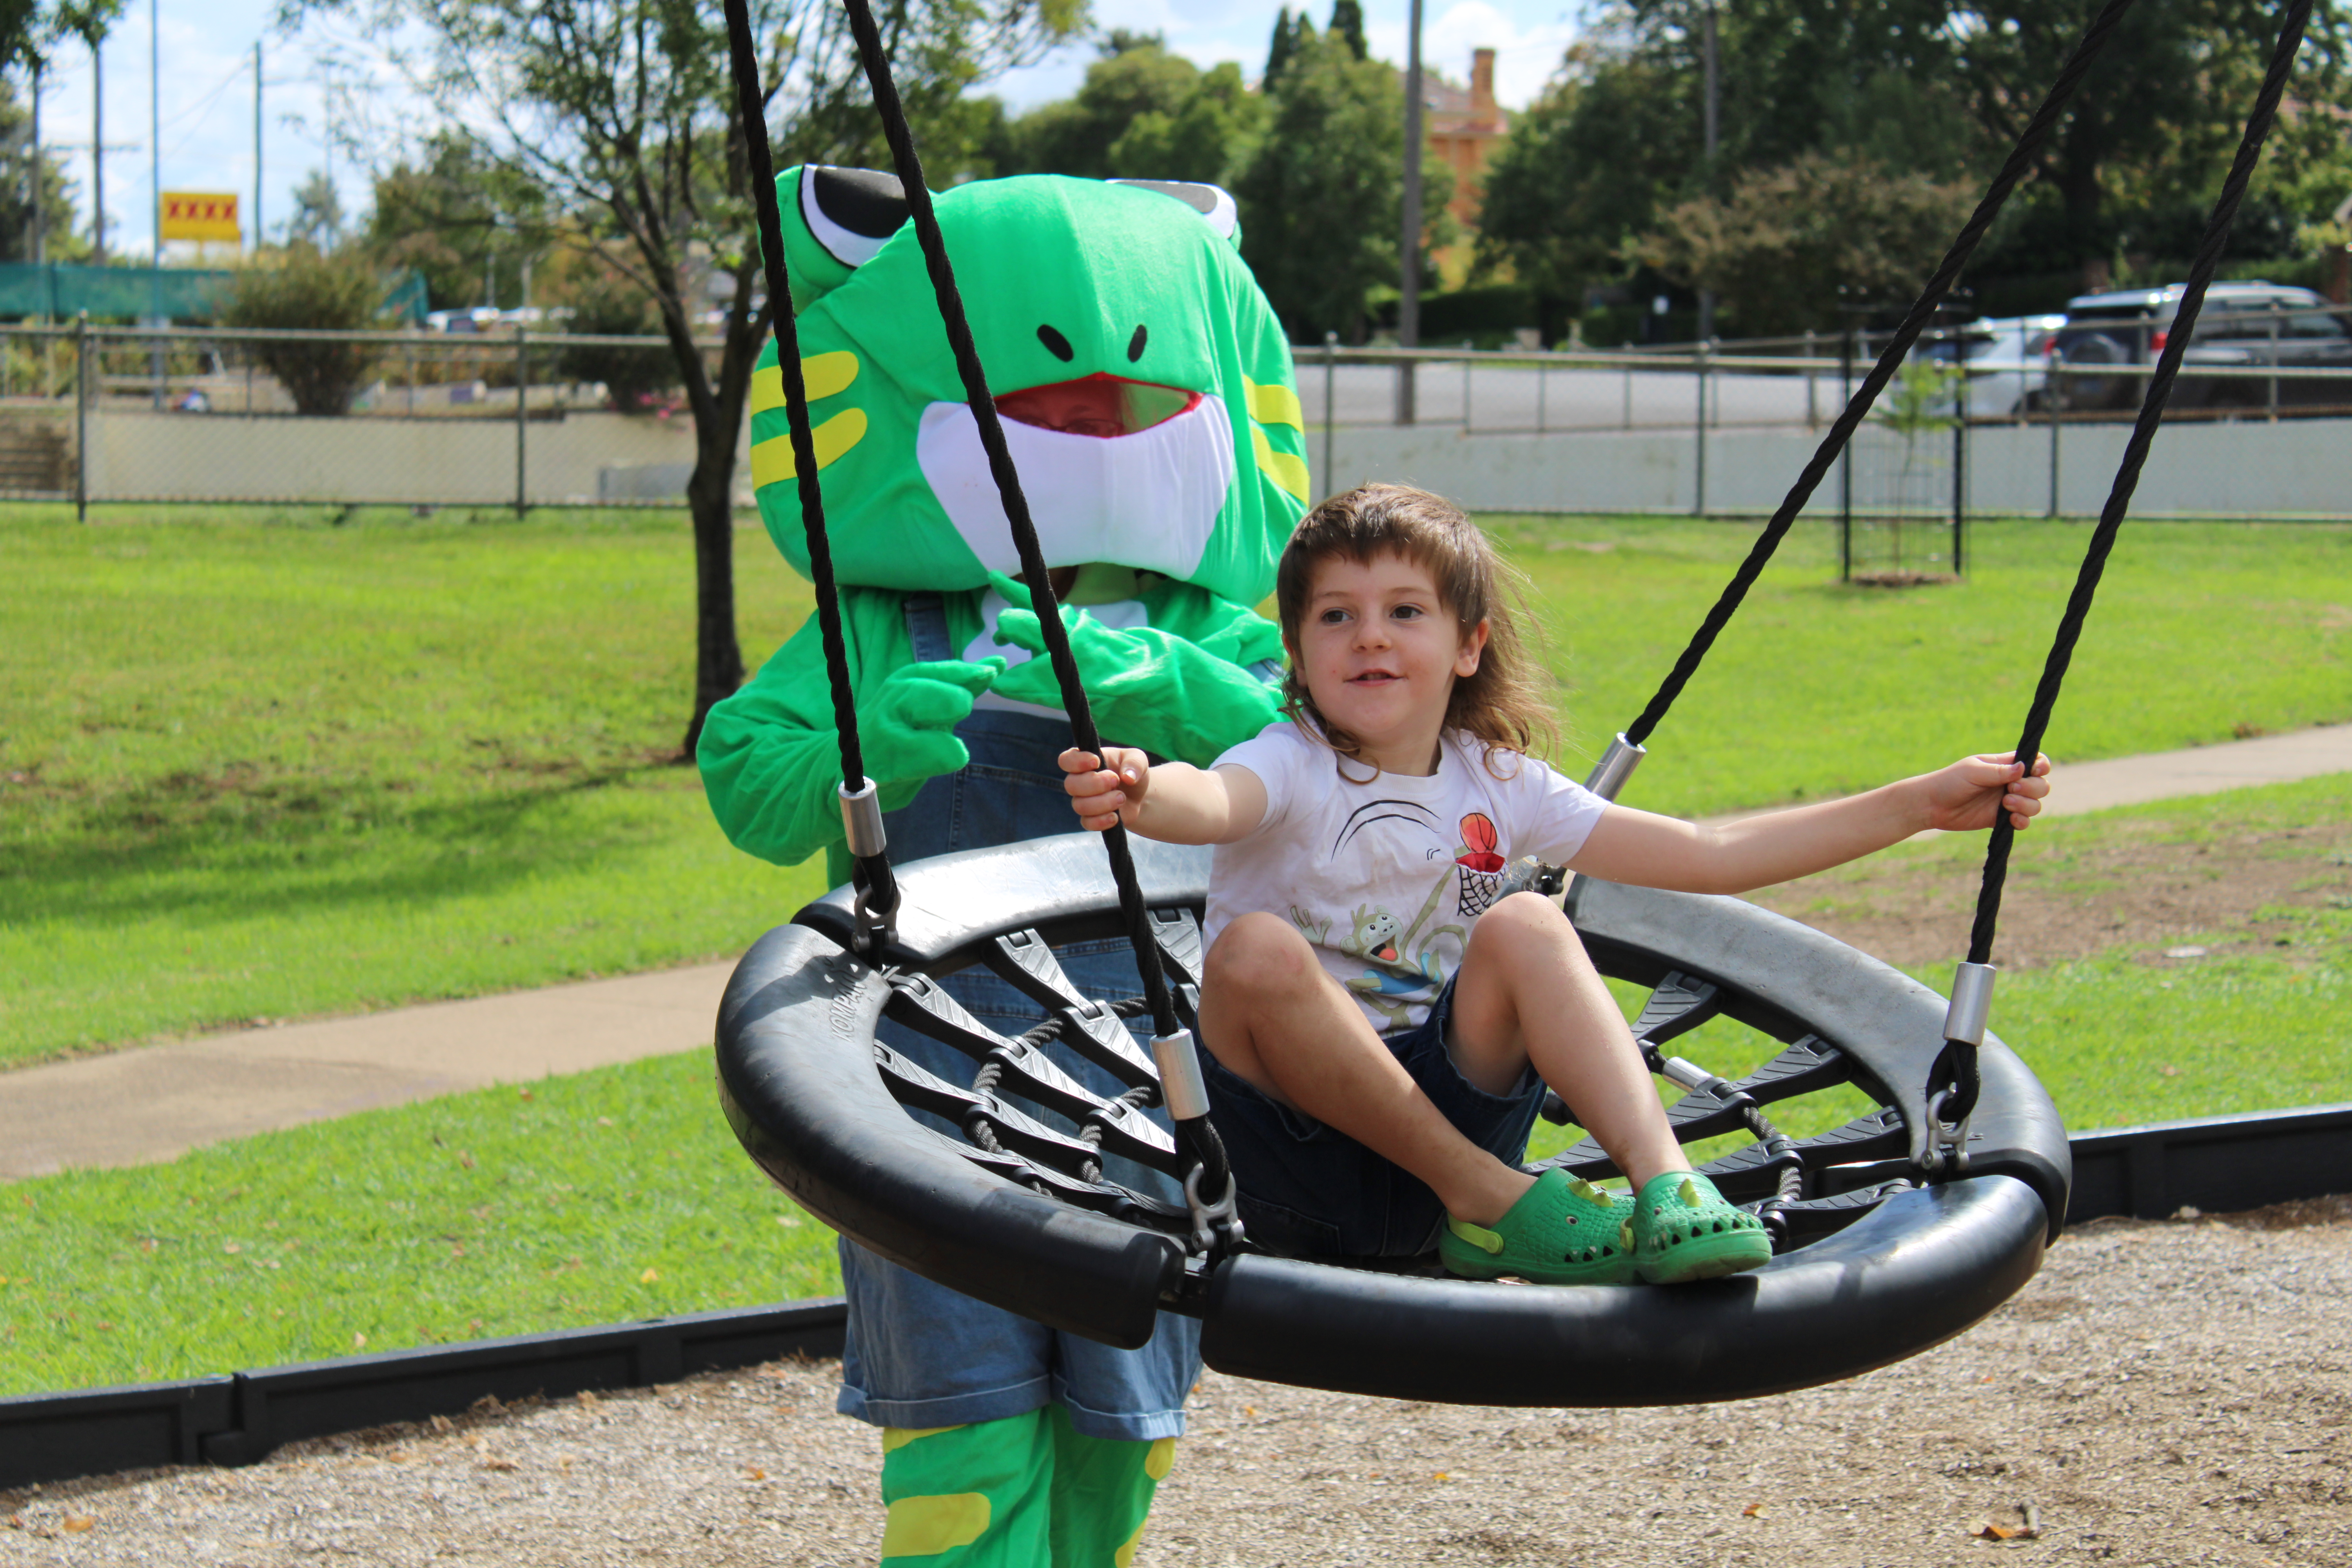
point(1650, 851)
point(1174, 802)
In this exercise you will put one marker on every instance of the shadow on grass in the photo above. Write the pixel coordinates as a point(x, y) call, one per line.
point(202, 849)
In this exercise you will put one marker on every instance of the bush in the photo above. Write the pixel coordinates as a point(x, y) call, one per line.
point(327, 292)
point(610, 305)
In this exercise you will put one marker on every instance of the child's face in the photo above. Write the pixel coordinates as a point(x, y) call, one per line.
point(1379, 653)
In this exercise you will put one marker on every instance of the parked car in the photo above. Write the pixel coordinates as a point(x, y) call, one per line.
point(2242, 326)
point(2007, 359)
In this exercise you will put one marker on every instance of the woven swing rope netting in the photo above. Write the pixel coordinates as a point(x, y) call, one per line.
point(1027, 1119)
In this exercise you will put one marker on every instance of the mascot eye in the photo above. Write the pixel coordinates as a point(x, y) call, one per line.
point(1135, 344)
point(1056, 344)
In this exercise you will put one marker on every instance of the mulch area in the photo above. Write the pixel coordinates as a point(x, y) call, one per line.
point(2164, 1393)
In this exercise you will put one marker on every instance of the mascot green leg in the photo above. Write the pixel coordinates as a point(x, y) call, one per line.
point(1016, 1493)
point(1102, 1493)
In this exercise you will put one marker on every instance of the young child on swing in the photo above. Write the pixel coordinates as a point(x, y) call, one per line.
point(1380, 1014)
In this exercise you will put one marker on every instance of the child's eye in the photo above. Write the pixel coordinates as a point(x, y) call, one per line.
point(1407, 611)
point(1333, 618)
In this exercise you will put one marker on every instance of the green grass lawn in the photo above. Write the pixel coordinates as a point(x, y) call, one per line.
point(271, 763)
point(262, 764)
point(620, 1193)
point(281, 763)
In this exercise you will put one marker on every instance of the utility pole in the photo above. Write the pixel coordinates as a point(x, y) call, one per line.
point(1409, 295)
point(40, 218)
point(1712, 90)
point(155, 121)
point(97, 154)
point(256, 146)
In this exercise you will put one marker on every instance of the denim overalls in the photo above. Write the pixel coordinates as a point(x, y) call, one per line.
point(919, 1354)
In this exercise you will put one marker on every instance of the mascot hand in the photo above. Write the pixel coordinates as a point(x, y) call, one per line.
point(908, 730)
point(1146, 687)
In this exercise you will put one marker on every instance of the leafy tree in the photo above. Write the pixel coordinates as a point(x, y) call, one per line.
point(1322, 199)
point(30, 29)
point(1282, 46)
point(16, 203)
point(605, 304)
point(307, 288)
point(1780, 237)
point(622, 113)
point(1583, 171)
point(318, 218)
point(1928, 88)
point(1347, 25)
point(452, 213)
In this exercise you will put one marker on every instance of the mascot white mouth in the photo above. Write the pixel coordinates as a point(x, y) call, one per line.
point(1146, 496)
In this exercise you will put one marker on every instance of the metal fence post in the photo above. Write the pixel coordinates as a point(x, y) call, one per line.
point(1845, 457)
point(1469, 368)
point(1812, 416)
point(2051, 405)
point(1959, 476)
point(1330, 418)
point(1699, 437)
point(81, 417)
point(2273, 325)
point(1543, 374)
point(522, 418)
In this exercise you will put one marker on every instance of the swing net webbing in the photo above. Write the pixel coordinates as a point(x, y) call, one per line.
point(1067, 1165)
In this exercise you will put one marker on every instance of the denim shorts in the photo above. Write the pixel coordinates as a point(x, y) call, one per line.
point(1310, 1190)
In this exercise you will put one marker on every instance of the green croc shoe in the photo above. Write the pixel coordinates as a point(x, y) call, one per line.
point(1562, 1231)
point(1683, 1230)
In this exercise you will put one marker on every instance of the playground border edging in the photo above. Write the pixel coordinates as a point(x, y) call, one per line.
point(2217, 1164)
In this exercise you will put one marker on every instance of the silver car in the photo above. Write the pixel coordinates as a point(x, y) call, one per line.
point(2243, 326)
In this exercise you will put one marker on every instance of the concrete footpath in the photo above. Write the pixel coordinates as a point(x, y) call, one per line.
point(153, 1103)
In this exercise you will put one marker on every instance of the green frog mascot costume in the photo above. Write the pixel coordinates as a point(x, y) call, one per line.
point(1148, 398)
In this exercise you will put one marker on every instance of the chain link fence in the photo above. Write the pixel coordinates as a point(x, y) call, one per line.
point(510, 417)
point(516, 417)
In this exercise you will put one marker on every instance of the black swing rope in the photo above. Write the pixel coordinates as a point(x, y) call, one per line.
point(1955, 1072)
point(873, 873)
point(1216, 1183)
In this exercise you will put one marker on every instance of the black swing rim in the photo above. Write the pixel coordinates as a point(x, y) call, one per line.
point(799, 1084)
point(1931, 1261)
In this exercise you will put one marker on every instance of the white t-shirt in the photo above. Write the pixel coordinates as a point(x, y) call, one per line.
point(1386, 877)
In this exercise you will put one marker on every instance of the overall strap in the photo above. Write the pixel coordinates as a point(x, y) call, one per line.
point(927, 628)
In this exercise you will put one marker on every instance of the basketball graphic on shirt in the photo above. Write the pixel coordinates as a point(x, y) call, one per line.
point(1479, 868)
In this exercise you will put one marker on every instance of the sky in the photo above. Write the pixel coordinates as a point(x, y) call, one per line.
point(205, 87)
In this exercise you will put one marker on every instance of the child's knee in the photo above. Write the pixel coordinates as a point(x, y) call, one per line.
point(1260, 953)
point(1525, 917)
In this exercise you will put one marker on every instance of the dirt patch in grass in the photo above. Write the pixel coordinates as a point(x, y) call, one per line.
point(2139, 887)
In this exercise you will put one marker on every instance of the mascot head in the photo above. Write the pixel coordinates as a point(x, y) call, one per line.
point(1144, 385)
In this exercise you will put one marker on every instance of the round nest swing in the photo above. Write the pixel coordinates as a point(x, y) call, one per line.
point(1893, 1231)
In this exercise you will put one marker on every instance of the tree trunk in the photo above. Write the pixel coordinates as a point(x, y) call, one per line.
point(718, 655)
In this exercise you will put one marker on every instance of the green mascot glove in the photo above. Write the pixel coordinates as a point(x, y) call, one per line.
point(1146, 687)
point(771, 760)
point(906, 731)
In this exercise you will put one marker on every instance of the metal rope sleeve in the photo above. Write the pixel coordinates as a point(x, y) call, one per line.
point(1956, 1066)
point(1207, 1148)
point(2151, 414)
point(1857, 407)
point(749, 106)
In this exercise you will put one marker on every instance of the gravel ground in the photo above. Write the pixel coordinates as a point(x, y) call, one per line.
point(2167, 1393)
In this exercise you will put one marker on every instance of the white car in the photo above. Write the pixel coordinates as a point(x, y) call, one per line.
point(2008, 362)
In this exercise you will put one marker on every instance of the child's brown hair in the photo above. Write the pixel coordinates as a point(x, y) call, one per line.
point(1500, 703)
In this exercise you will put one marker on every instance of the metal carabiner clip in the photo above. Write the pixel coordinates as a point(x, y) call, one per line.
point(1213, 1223)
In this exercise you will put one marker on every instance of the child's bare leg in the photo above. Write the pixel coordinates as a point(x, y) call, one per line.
point(1274, 1016)
point(1527, 991)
